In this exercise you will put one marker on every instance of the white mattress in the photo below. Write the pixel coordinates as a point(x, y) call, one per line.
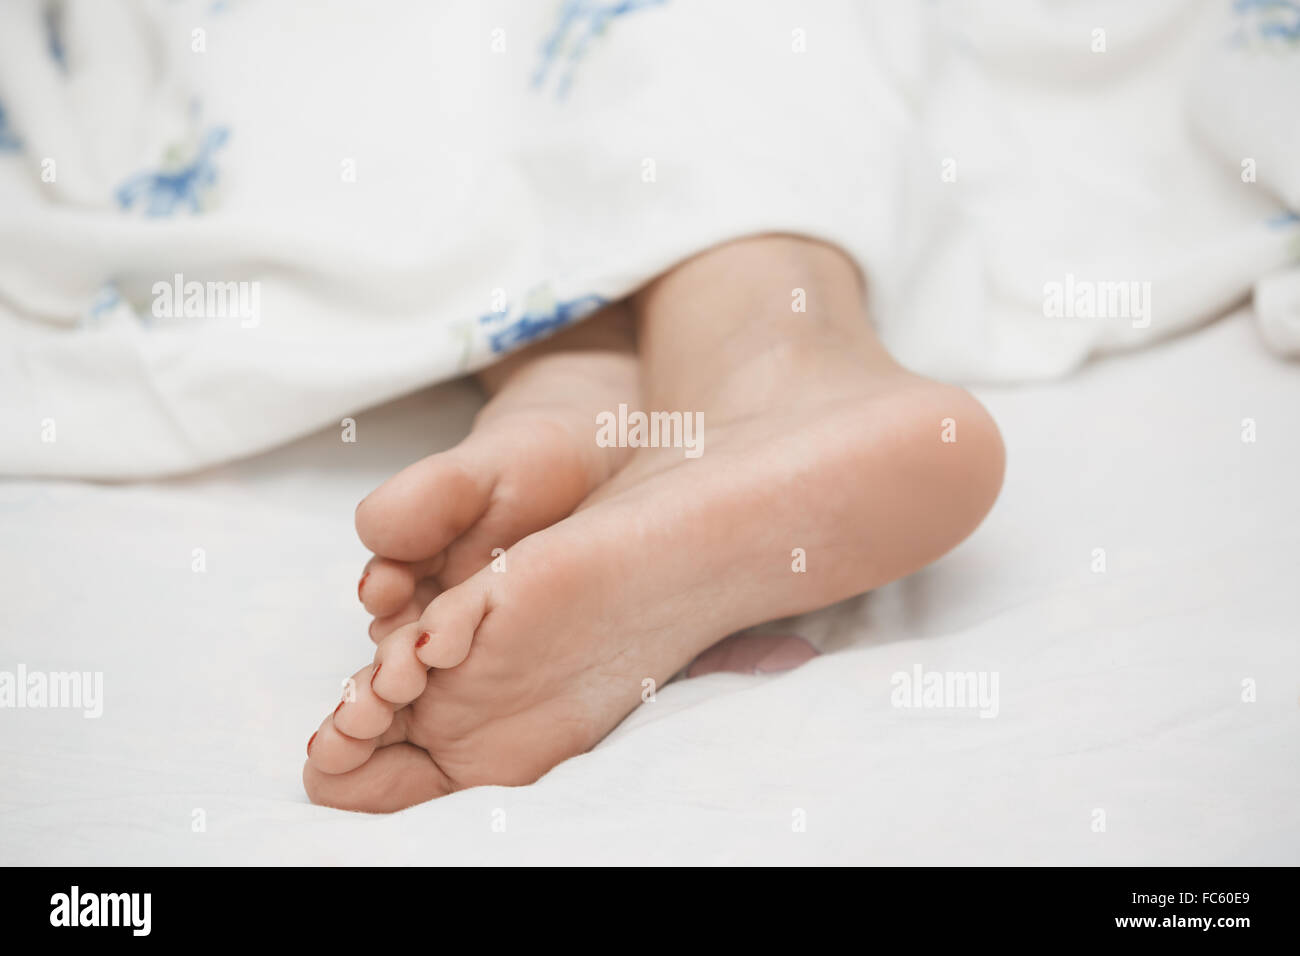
point(1120, 692)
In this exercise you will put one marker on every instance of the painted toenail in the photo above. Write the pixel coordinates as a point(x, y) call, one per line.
point(374, 675)
point(310, 742)
point(422, 639)
point(361, 584)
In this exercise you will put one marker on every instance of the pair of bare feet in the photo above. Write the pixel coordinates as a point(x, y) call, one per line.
point(526, 582)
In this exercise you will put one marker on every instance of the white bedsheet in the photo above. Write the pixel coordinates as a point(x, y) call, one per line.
point(1119, 692)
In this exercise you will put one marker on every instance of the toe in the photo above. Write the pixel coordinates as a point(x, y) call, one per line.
point(360, 723)
point(395, 777)
point(331, 751)
point(419, 511)
point(362, 713)
point(387, 586)
point(446, 629)
point(399, 675)
point(384, 625)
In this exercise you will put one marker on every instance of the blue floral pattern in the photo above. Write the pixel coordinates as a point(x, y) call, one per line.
point(9, 141)
point(1269, 22)
point(53, 21)
point(161, 193)
point(579, 22)
point(537, 321)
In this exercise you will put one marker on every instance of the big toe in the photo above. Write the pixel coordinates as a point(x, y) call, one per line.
point(416, 513)
point(387, 587)
point(395, 777)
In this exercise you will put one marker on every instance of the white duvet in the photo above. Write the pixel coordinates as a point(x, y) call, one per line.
point(357, 200)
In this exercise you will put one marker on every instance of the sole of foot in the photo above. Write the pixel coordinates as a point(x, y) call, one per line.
point(836, 491)
point(528, 462)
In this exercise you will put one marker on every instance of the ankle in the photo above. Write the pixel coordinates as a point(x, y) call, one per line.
point(769, 302)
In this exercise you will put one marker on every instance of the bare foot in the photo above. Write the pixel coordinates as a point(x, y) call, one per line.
point(753, 654)
point(528, 462)
point(845, 471)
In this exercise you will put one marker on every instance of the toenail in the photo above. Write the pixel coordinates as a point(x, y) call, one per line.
point(310, 742)
point(374, 675)
point(422, 639)
point(361, 584)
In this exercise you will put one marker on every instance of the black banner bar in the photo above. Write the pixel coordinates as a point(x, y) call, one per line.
point(1167, 906)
